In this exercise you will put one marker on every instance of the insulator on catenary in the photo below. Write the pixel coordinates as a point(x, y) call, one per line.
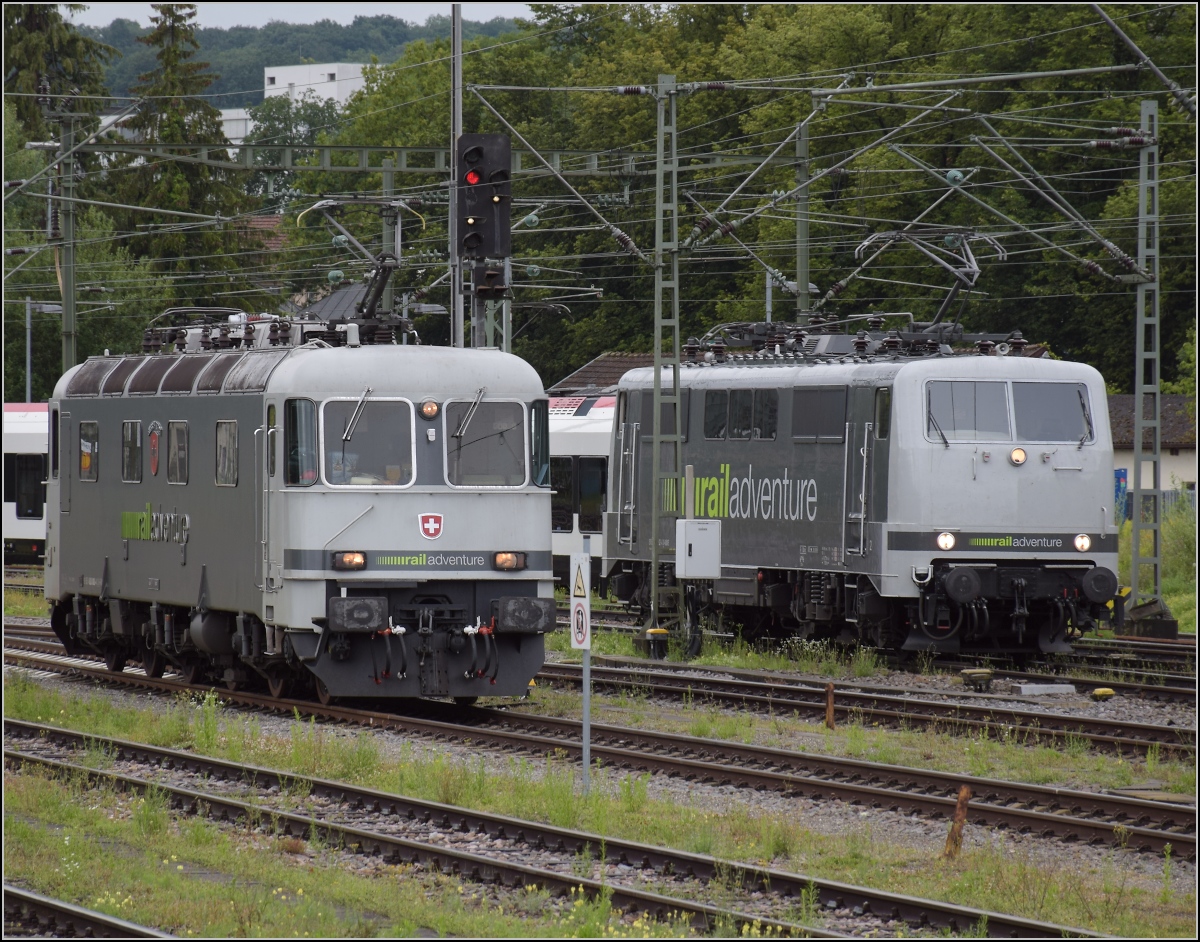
point(729, 226)
point(836, 288)
point(1139, 141)
point(702, 226)
point(1120, 132)
point(1093, 267)
point(624, 241)
point(712, 86)
point(633, 90)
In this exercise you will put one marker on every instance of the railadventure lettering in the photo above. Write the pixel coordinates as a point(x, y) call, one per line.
point(1015, 542)
point(751, 498)
point(155, 526)
point(421, 560)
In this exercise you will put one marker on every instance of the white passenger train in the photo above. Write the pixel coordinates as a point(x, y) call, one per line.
point(580, 438)
point(24, 482)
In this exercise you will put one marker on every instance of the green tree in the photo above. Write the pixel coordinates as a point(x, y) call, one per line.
point(280, 120)
point(40, 45)
point(198, 259)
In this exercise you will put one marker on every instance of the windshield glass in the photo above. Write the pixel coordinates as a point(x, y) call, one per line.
point(1051, 412)
point(968, 412)
point(379, 453)
point(490, 450)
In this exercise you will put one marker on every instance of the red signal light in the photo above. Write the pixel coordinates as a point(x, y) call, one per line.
point(473, 177)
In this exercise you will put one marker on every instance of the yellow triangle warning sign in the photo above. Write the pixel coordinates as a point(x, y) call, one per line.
point(579, 591)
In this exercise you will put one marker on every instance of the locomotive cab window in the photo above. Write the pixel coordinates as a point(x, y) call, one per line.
point(89, 451)
point(177, 453)
point(368, 442)
point(540, 441)
point(131, 452)
point(819, 413)
point(300, 442)
point(967, 412)
point(883, 412)
point(227, 454)
point(1053, 412)
point(485, 443)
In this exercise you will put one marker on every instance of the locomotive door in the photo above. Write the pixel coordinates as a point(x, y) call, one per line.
point(65, 461)
point(268, 495)
point(628, 435)
point(860, 433)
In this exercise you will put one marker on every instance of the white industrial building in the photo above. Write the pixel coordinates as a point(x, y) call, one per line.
point(336, 80)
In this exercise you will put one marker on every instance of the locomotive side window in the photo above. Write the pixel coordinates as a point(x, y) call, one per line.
point(270, 440)
point(300, 442)
point(741, 413)
point(1053, 412)
point(485, 444)
point(968, 412)
point(883, 412)
point(766, 414)
point(562, 504)
point(131, 452)
point(716, 408)
point(540, 441)
point(227, 454)
point(177, 453)
point(593, 486)
point(819, 413)
point(368, 442)
point(54, 442)
point(89, 451)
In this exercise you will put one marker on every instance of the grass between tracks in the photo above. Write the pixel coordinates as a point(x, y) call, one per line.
point(1110, 897)
point(1178, 548)
point(29, 604)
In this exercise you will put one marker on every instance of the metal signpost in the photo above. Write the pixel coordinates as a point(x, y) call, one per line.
point(581, 640)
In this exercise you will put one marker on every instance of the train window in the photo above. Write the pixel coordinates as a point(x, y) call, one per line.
point(1053, 412)
point(883, 412)
point(54, 442)
point(183, 375)
point(540, 441)
point(89, 451)
point(23, 476)
point(485, 444)
point(177, 453)
point(766, 414)
point(741, 413)
point(562, 504)
point(219, 367)
point(114, 383)
point(86, 381)
point(227, 453)
point(131, 452)
point(593, 484)
point(368, 442)
point(270, 442)
point(300, 442)
point(716, 413)
point(145, 381)
point(968, 412)
point(819, 413)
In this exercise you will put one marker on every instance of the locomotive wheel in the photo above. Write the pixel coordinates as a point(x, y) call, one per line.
point(466, 701)
point(279, 685)
point(114, 659)
point(323, 695)
point(233, 685)
point(154, 663)
point(191, 672)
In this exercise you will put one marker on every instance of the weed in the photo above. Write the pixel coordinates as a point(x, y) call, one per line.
point(1164, 895)
point(206, 726)
point(150, 813)
point(634, 793)
point(1153, 758)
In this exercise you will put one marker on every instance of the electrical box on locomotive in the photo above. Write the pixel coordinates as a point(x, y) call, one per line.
point(371, 519)
point(883, 488)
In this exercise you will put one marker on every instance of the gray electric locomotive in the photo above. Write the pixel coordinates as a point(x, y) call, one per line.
point(881, 488)
point(365, 519)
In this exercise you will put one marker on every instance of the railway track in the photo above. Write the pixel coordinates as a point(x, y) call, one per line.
point(31, 914)
point(400, 828)
point(893, 709)
point(1145, 826)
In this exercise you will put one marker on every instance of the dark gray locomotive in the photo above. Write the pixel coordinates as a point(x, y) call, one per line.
point(365, 519)
point(885, 488)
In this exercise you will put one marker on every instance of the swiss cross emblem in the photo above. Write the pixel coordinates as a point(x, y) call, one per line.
point(430, 525)
point(155, 434)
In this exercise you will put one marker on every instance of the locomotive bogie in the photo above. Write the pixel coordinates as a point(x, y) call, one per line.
point(229, 526)
point(923, 502)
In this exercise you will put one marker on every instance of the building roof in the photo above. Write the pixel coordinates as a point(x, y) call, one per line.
point(601, 373)
point(1178, 421)
point(269, 229)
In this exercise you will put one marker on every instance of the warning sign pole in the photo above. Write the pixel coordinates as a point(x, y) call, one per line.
point(581, 639)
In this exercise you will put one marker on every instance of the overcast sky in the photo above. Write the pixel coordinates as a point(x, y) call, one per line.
point(224, 15)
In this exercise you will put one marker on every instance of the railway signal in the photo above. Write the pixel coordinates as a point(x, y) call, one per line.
point(485, 196)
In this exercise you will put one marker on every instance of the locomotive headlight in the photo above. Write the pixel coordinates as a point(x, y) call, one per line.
point(348, 561)
point(429, 410)
point(1083, 542)
point(1017, 456)
point(508, 561)
point(945, 542)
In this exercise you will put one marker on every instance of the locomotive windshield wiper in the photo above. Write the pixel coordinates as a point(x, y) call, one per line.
point(358, 411)
point(945, 440)
point(1087, 418)
point(466, 419)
